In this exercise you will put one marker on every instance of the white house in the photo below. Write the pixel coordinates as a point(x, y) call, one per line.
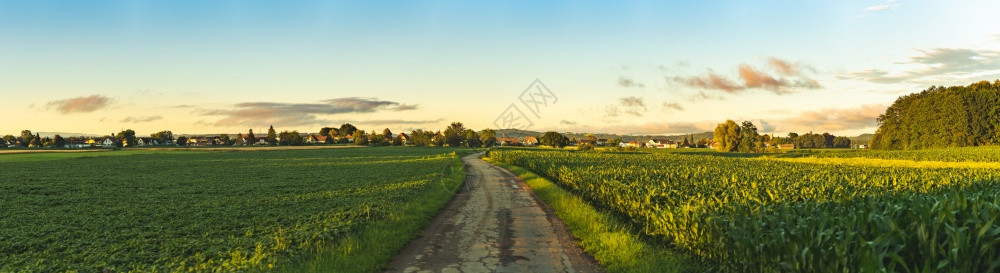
point(661, 143)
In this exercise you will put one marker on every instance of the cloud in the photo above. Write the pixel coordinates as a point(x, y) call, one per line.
point(626, 82)
point(833, 119)
point(566, 122)
point(752, 78)
point(633, 106)
point(141, 119)
point(672, 106)
point(296, 114)
point(711, 81)
point(936, 64)
point(878, 8)
point(81, 104)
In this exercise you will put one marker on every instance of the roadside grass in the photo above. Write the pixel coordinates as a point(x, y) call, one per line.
point(373, 247)
point(608, 240)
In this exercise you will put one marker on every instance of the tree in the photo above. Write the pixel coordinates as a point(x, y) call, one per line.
point(554, 139)
point(686, 143)
point(841, 142)
point(420, 139)
point(36, 141)
point(585, 147)
point(127, 138)
point(26, 137)
point(387, 134)
point(272, 136)
point(453, 135)
point(292, 138)
point(727, 134)
point(437, 139)
point(488, 137)
point(360, 138)
point(749, 139)
point(589, 136)
point(398, 141)
point(472, 139)
point(250, 137)
point(377, 140)
point(182, 141)
point(59, 142)
point(347, 129)
point(224, 138)
point(163, 137)
point(326, 131)
point(10, 139)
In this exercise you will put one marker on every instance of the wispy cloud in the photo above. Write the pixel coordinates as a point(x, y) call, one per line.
point(633, 106)
point(887, 5)
point(566, 122)
point(141, 119)
point(296, 114)
point(400, 122)
point(672, 106)
point(80, 104)
point(627, 82)
point(954, 63)
point(650, 128)
point(752, 78)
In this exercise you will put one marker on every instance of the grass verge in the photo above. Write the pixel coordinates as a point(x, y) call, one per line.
point(610, 241)
point(372, 248)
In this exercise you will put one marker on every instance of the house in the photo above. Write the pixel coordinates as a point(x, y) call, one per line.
point(601, 142)
point(507, 141)
point(405, 139)
point(315, 139)
point(786, 146)
point(635, 144)
point(147, 141)
point(108, 142)
point(586, 141)
point(261, 141)
point(862, 146)
point(661, 143)
point(350, 138)
point(529, 141)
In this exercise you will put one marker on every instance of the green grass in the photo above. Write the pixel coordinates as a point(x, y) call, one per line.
point(221, 211)
point(611, 242)
point(373, 247)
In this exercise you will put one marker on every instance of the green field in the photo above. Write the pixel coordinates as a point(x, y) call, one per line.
point(171, 211)
point(748, 213)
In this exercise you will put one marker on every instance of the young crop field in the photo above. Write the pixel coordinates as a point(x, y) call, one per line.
point(769, 215)
point(201, 211)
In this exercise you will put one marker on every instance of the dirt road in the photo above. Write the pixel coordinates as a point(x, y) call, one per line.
point(494, 224)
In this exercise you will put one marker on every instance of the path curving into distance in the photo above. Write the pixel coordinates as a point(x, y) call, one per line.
point(495, 224)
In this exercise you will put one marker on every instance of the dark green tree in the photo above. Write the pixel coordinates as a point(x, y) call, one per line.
point(554, 139)
point(346, 129)
point(453, 135)
point(182, 141)
point(127, 138)
point(163, 137)
point(488, 138)
point(251, 138)
point(472, 139)
point(272, 136)
point(360, 138)
point(58, 142)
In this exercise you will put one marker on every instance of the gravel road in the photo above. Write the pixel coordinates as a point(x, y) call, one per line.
point(494, 224)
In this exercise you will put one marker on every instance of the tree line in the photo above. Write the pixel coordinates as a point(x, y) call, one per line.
point(455, 135)
point(940, 116)
point(744, 138)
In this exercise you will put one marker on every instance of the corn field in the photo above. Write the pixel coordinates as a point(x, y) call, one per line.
point(744, 215)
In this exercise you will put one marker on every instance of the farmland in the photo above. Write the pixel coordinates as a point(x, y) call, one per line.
point(769, 214)
point(166, 211)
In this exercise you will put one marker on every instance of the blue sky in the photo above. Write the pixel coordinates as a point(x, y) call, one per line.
point(623, 67)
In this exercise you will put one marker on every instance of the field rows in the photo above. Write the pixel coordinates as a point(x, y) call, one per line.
point(758, 215)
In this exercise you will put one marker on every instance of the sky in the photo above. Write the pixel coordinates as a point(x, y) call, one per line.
point(643, 67)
